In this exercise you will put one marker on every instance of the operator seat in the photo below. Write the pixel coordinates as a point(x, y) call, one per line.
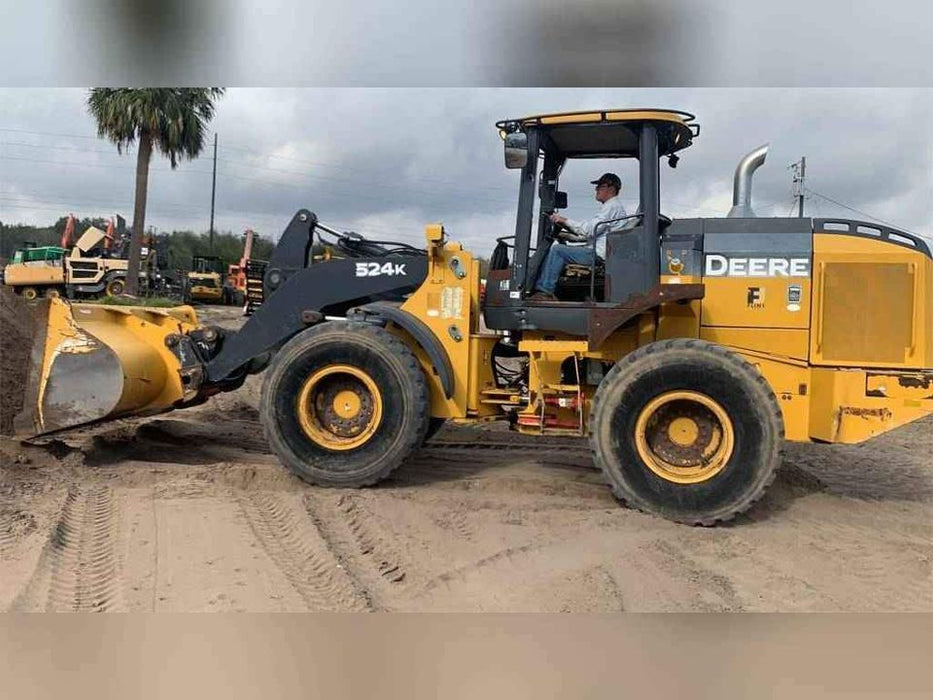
point(574, 281)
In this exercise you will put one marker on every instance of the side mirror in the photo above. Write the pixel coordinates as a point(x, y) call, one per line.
point(516, 150)
point(560, 200)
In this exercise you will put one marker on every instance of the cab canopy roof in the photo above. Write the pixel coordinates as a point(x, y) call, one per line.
point(608, 133)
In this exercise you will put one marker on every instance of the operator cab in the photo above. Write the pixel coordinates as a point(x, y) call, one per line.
point(540, 147)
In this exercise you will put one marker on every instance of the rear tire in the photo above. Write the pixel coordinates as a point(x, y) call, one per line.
point(687, 430)
point(115, 287)
point(52, 293)
point(344, 404)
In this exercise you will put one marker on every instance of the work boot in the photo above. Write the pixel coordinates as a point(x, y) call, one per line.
point(542, 296)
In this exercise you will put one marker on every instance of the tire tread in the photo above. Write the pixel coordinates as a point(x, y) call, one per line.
point(387, 343)
point(738, 364)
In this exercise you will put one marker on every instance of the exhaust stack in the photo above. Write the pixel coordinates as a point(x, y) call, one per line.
point(742, 186)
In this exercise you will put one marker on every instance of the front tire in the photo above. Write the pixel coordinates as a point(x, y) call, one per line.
point(687, 430)
point(344, 404)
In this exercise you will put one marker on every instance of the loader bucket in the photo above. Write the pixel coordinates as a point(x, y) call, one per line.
point(91, 362)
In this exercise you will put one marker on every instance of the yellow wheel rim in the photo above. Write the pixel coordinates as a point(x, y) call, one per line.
point(339, 407)
point(684, 437)
point(29, 294)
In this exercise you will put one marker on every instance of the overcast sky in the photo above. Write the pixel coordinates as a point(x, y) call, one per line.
point(387, 161)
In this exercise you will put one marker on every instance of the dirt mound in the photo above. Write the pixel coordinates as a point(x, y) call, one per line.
point(16, 333)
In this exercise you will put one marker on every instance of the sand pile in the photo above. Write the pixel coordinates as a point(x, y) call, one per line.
point(16, 332)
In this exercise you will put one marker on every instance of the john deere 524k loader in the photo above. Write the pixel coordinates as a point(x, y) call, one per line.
point(687, 356)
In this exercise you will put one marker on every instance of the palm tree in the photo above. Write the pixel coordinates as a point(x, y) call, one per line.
point(173, 120)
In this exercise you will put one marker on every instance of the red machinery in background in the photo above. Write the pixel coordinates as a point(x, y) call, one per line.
point(236, 273)
point(246, 276)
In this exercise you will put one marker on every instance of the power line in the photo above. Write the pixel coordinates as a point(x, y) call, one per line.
point(506, 199)
point(77, 205)
point(50, 133)
point(434, 192)
point(800, 174)
point(126, 151)
point(324, 178)
point(369, 173)
point(280, 221)
point(96, 165)
point(331, 178)
point(859, 211)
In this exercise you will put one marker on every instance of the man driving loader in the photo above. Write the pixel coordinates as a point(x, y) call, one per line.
point(608, 187)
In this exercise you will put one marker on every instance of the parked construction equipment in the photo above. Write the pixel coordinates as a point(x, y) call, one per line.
point(52, 271)
point(238, 275)
point(255, 273)
point(207, 281)
point(688, 356)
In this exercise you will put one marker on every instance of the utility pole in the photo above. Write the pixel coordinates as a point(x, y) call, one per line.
point(800, 171)
point(213, 192)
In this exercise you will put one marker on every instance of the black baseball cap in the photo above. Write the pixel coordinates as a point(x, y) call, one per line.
point(608, 179)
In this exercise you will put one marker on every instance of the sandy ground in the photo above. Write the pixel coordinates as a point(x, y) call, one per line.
point(190, 512)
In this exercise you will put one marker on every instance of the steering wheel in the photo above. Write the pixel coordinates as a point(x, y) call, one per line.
point(555, 229)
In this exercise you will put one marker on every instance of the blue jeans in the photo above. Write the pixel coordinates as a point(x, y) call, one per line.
point(558, 256)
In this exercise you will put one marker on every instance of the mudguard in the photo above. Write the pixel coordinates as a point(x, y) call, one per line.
point(382, 311)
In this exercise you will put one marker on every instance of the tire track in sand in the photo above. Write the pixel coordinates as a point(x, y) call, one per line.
point(355, 538)
point(302, 555)
point(11, 528)
point(84, 572)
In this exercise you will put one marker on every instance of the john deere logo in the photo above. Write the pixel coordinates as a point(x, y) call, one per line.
point(722, 266)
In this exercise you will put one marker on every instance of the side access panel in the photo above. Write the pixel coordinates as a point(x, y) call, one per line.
point(448, 304)
point(873, 304)
point(757, 273)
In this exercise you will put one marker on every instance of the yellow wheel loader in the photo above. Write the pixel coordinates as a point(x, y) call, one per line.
point(687, 355)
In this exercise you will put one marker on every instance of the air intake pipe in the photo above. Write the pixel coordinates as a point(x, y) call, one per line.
point(742, 186)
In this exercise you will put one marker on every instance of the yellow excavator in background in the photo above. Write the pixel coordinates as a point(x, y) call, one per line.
point(687, 356)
